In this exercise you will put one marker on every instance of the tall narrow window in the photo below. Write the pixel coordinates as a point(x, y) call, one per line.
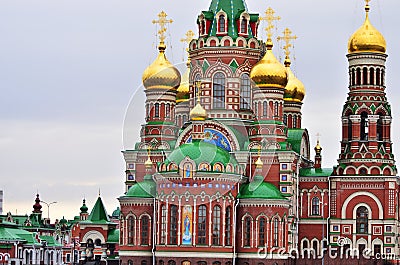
point(201, 225)
point(383, 77)
point(163, 231)
point(247, 232)
point(228, 223)
point(294, 121)
point(156, 110)
point(245, 92)
point(203, 27)
point(358, 77)
point(365, 76)
point(378, 77)
point(285, 119)
point(350, 129)
point(216, 227)
point(364, 126)
point(283, 233)
point(195, 89)
point(173, 236)
point(371, 76)
point(144, 230)
point(221, 23)
point(362, 220)
point(256, 109)
point(265, 108)
point(315, 206)
point(131, 230)
point(219, 91)
point(353, 77)
point(379, 129)
point(167, 110)
point(276, 109)
point(243, 26)
point(262, 231)
point(275, 238)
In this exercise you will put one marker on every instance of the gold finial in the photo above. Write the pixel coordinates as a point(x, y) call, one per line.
point(287, 38)
point(270, 18)
point(189, 37)
point(148, 162)
point(259, 163)
point(367, 6)
point(99, 192)
point(162, 21)
point(318, 147)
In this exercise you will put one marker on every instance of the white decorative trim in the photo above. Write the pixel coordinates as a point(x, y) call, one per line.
point(362, 193)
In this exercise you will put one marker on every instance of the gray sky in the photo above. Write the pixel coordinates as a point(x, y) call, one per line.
point(69, 69)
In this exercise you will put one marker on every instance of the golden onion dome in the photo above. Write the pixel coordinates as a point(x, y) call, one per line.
point(294, 90)
point(259, 163)
point(161, 73)
point(148, 163)
point(318, 148)
point(269, 72)
point(184, 89)
point(198, 113)
point(367, 38)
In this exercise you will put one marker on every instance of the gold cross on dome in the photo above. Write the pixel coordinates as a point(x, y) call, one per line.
point(198, 86)
point(270, 18)
point(162, 21)
point(189, 37)
point(287, 38)
point(367, 2)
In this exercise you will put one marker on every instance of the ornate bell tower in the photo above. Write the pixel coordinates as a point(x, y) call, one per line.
point(366, 147)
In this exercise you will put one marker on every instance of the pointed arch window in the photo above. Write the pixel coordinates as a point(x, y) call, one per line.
point(173, 231)
point(243, 26)
point(315, 206)
point(245, 92)
point(144, 230)
point(275, 237)
point(219, 90)
point(362, 220)
point(247, 232)
point(364, 126)
point(201, 225)
point(228, 223)
point(262, 231)
point(163, 231)
point(216, 227)
point(131, 230)
point(221, 23)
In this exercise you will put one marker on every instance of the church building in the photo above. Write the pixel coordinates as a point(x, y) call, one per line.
point(223, 172)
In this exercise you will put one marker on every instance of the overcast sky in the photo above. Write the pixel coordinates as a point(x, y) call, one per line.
point(69, 69)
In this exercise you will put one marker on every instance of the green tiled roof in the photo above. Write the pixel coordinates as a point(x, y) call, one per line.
point(316, 172)
point(51, 242)
point(294, 138)
point(98, 214)
point(113, 236)
point(200, 151)
point(143, 189)
point(259, 189)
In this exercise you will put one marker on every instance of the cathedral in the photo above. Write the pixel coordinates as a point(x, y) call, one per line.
point(224, 172)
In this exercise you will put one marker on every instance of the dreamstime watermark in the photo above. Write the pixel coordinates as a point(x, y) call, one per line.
point(341, 250)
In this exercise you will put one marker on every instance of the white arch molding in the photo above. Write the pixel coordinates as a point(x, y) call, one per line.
point(93, 235)
point(362, 193)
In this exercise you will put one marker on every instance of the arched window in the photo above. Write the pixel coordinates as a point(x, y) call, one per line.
point(131, 230)
point(247, 231)
point(221, 24)
point(203, 27)
point(143, 262)
point(130, 262)
point(245, 92)
point(383, 77)
point(364, 126)
point(285, 119)
point(196, 90)
point(173, 231)
point(315, 206)
point(144, 230)
point(184, 119)
point(379, 129)
point(362, 220)
point(219, 90)
point(315, 247)
point(294, 121)
point(262, 231)
point(358, 77)
point(275, 238)
point(371, 76)
point(167, 110)
point(265, 108)
point(228, 223)
point(216, 227)
point(163, 231)
point(243, 26)
point(156, 110)
point(378, 77)
point(256, 109)
point(201, 225)
point(276, 109)
point(161, 262)
point(97, 242)
point(353, 77)
point(283, 233)
point(171, 262)
point(365, 76)
point(350, 129)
